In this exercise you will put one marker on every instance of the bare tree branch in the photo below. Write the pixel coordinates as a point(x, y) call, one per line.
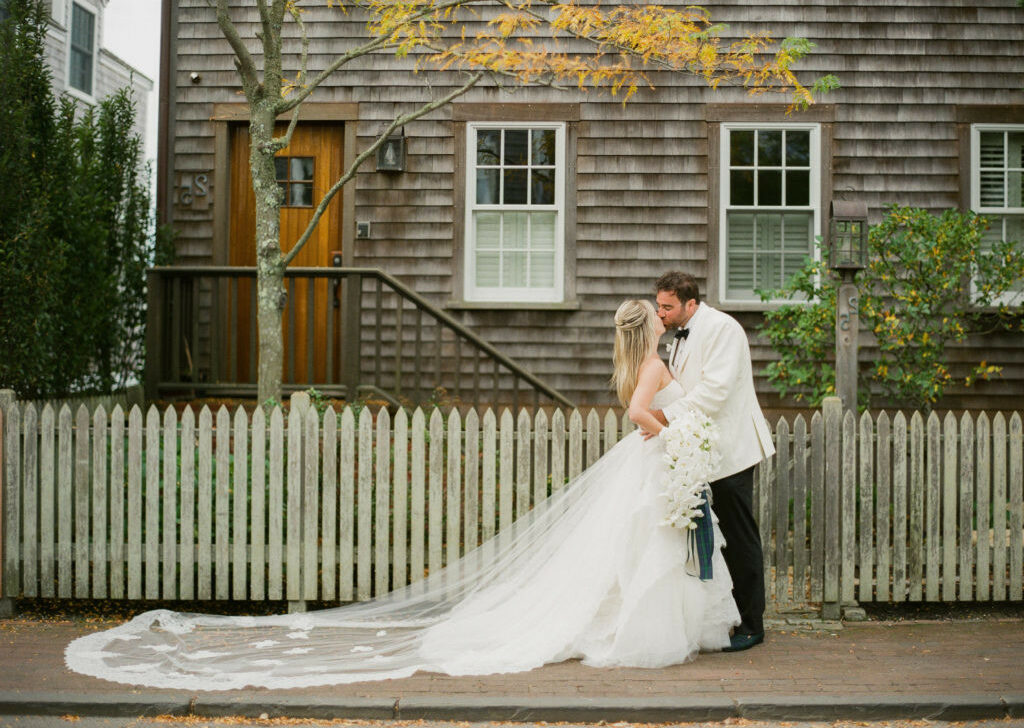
point(243, 59)
point(366, 153)
point(376, 44)
point(280, 143)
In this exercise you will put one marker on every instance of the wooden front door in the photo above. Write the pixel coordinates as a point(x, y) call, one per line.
point(306, 169)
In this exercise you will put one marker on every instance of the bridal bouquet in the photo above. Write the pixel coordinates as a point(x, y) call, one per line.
point(692, 456)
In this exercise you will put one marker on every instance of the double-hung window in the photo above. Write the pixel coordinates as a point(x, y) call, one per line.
point(770, 206)
point(997, 182)
point(82, 53)
point(515, 216)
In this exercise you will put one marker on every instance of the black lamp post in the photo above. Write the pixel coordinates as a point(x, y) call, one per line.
point(847, 254)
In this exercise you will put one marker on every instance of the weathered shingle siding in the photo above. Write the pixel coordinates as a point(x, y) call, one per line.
point(641, 183)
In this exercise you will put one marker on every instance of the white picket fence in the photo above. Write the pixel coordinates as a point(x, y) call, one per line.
point(345, 506)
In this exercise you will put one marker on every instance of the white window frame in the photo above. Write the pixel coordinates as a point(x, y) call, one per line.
point(814, 195)
point(1010, 297)
point(95, 11)
point(474, 293)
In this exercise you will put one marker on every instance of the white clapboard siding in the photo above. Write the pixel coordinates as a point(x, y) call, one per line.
point(349, 505)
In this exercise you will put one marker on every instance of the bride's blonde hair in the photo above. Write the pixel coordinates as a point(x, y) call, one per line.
point(635, 339)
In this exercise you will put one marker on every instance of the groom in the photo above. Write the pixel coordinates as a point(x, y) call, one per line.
point(710, 358)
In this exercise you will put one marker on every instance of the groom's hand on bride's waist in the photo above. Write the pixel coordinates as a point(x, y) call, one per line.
point(658, 415)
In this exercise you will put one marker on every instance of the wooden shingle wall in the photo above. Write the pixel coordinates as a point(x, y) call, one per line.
point(641, 170)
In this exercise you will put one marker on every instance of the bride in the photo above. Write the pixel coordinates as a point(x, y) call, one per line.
point(590, 574)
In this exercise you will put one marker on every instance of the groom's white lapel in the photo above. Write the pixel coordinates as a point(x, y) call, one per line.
point(678, 357)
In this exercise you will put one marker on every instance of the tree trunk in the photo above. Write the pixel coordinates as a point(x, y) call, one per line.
point(271, 295)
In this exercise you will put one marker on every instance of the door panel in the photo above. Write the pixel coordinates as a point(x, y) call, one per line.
point(306, 169)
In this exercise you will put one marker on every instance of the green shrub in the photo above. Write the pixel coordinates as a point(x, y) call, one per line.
point(931, 280)
point(76, 232)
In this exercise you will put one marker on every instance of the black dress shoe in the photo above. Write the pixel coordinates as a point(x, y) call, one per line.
point(740, 642)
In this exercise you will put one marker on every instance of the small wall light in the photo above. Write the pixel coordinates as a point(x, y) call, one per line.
point(391, 154)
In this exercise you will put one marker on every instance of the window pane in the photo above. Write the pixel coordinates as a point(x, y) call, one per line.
point(488, 146)
point(796, 244)
point(768, 252)
point(542, 187)
point(1015, 152)
point(542, 231)
point(488, 269)
point(542, 269)
point(488, 230)
point(1013, 189)
point(741, 187)
point(488, 245)
point(741, 148)
point(543, 147)
point(769, 148)
point(81, 71)
point(798, 188)
point(1010, 228)
point(1013, 229)
point(82, 27)
point(516, 146)
point(302, 168)
point(515, 187)
point(798, 148)
point(991, 148)
point(301, 195)
point(514, 255)
point(992, 191)
point(739, 270)
point(514, 231)
point(513, 274)
point(769, 187)
point(281, 168)
point(487, 186)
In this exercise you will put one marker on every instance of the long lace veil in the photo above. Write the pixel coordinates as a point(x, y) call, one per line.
point(390, 637)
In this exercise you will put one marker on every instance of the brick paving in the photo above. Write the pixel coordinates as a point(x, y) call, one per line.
point(857, 665)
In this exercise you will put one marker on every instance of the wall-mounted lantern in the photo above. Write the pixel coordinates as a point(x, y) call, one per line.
point(391, 154)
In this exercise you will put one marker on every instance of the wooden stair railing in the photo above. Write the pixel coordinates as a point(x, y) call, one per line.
point(348, 332)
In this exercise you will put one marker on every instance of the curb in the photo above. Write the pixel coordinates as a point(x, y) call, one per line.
point(540, 709)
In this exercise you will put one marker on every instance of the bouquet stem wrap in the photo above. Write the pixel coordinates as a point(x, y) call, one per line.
point(692, 456)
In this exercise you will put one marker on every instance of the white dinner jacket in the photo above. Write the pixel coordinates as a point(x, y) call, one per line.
point(715, 371)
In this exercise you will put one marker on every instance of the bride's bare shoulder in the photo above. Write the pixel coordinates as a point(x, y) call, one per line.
point(655, 368)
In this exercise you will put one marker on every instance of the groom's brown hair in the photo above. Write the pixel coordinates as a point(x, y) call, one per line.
point(682, 284)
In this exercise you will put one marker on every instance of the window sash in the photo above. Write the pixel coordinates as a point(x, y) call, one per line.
point(996, 177)
point(514, 251)
point(997, 173)
point(82, 50)
point(761, 245)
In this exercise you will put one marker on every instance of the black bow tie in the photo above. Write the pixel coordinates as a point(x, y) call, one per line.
point(682, 334)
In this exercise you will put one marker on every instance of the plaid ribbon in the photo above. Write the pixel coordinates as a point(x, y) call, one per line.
point(700, 542)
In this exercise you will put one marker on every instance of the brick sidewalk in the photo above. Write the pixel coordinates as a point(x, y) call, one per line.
point(881, 669)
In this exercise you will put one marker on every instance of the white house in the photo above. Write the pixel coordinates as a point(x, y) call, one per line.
point(82, 68)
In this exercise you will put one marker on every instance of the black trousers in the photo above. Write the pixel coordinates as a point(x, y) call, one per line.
point(733, 502)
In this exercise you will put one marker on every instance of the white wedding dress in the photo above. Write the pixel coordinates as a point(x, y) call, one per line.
point(590, 573)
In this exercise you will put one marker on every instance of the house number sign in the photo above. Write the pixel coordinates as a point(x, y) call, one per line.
point(191, 189)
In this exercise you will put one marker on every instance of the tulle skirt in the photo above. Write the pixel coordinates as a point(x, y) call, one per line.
point(590, 573)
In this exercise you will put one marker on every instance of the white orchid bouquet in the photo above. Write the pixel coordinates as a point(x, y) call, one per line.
point(692, 456)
